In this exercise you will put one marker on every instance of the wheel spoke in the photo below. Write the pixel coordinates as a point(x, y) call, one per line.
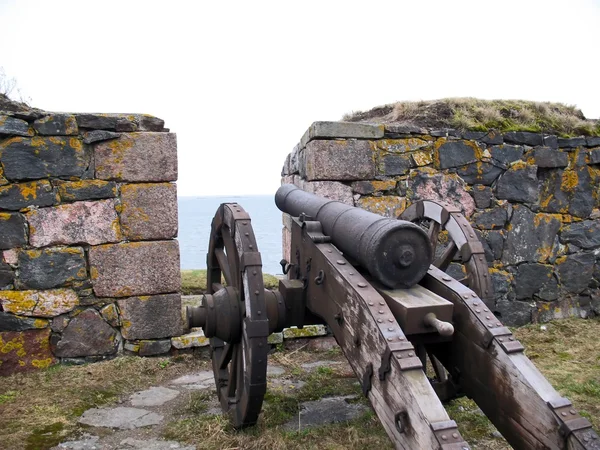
point(433, 233)
point(226, 356)
point(232, 257)
point(232, 387)
point(446, 257)
point(224, 265)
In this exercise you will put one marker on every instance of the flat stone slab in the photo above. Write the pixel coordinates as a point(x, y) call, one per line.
point(285, 386)
point(201, 377)
point(326, 411)
point(152, 444)
point(155, 396)
point(315, 365)
point(120, 417)
point(274, 371)
point(87, 442)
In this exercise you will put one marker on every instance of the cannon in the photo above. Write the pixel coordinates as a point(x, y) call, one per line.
point(381, 286)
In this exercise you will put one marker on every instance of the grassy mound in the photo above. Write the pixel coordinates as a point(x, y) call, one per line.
point(193, 282)
point(482, 115)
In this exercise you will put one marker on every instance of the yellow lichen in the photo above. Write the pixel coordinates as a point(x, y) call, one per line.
point(570, 180)
point(41, 363)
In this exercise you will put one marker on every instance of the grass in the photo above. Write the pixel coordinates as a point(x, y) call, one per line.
point(38, 410)
point(193, 282)
point(482, 115)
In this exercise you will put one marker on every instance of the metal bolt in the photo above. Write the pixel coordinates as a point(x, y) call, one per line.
point(401, 338)
point(390, 320)
point(382, 303)
point(511, 338)
point(362, 285)
point(328, 250)
point(351, 273)
point(490, 325)
point(478, 310)
point(455, 435)
point(260, 344)
point(573, 412)
point(381, 311)
point(411, 354)
point(564, 414)
point(380, 320)
point(501, 339)
point(341, 262)
point(486, 310)
point(474, 295)
point(371, 303)
point(475, 303)
point(498, 324)
point(254, 272)
point(256, 292)
point(444, 437)
point(466, 296)
point(246, 234)
point(259, 312)
point(390, 339)
point(487, 317)
point(390, 329)
point(250, 246)
point(446, 278)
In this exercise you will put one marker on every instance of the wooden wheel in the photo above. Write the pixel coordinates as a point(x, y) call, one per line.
point(236, 315)
point(452, 240)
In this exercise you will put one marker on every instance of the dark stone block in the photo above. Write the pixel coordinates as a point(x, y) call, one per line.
point(571, 142)
point(514, 314)
point(584, 234)
point(456, 271)
point(90, 137)
point(12, 230)
point(549, 158)
point(491, 219)
point(10, 322)
point(506, 154)
point(126, 125)
point(151, 348)
point(87, 334)
point(489, 256)
point(97, 121)
point(56, 125)
point(50, 268)
point(479, 173)
point(7, 275)
point(151, 317)
point(592, 141)
point(495, 240)
point(456, 154)
point(487, 137)
point(530, 278)
point(404, 129)
point(482, 196)
point(549, 291)
point(582, 198)
point(21, 195)
point(444, 132)
point(524, 138)
point(530, 236)
point(550, 141)
point(25, 351)
point(519, 184)
point(13, 127)
point(30, 159)
point(575, 271)
point(501, 281)
point(86, 190)
point(150, 123)
point(397, 164)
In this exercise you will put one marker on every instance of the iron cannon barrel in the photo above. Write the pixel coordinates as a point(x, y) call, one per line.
point(395, 252)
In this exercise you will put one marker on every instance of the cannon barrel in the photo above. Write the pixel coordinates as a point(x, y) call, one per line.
point(395, 252)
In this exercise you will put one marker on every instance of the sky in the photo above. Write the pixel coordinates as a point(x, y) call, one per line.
point(240, 81)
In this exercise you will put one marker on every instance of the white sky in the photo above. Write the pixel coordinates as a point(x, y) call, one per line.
point(240, 81)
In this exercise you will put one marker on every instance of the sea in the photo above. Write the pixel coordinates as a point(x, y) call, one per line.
point(195, 217)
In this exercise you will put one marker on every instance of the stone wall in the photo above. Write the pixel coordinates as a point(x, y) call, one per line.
point(88, 217)
point(533, 200)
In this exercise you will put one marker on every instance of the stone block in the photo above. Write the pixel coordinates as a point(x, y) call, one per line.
point(482, 196)
point(151, 317)
point(25, 351)
point(11, 126)
point(402, 145)
point(550, 158)
point(10, 322)
point(575, 271)
point(320, 130)
point(51, 267)
point(515, 313)
point(479, 172)
point(491, 219)
point(97, 121)
point(275, 338)
point(12, 230)
point(89, 137)
point(572, 142)
point(455, 153)
point(71, 191)
point(440, 187)
point(490, 137)
point(594, 156)
point(87, 334)
point(195, 338)
point(307, 331)
point(530, 278)
point(42, 157)
point(22, 195)
point(370, 187)
point(524, 138)
point(396, 164)
point(568, 191)
point(592, 141)
point(530, 236)
point(149, 211)
point(56, 125)
point(110, 313)
point(519, 184)
point(405, 128)
point(333, 190)
point(506, 154)
point(48, 303)
point(137, 157)
point(7, 275)
point(338, 160)
point(157, 347)
point(91, 223)
point(584, 234)
point(141, 268)
point(387, 206)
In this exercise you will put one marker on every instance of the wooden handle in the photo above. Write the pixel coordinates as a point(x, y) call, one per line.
point(443, 328)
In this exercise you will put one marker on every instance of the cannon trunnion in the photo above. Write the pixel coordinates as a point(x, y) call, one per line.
point(382, 288)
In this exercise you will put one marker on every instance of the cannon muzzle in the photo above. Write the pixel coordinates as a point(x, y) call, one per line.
point(395, 252)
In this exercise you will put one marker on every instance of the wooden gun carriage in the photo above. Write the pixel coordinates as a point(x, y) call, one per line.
point(381, 286)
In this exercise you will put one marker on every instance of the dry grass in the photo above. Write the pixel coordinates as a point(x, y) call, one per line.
point(38, 410)
point(482, 115)
point(193, 282)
